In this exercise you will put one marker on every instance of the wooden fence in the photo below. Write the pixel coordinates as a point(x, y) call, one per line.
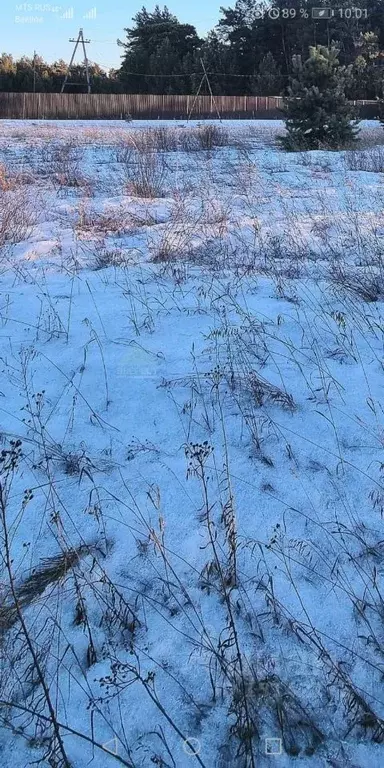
point(99, 106)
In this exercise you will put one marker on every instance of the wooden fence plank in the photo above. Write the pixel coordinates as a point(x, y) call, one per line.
point(83, 106)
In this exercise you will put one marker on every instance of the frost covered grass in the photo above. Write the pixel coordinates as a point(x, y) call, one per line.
point(191, 459)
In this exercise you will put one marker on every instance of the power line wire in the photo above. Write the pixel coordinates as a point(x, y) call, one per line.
point(189, 74)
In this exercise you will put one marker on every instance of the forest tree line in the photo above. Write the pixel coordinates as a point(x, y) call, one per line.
point(247, 52)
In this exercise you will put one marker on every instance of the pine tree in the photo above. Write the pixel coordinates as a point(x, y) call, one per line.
point(269, 80)
point(156, 47)
point(366, 73)
point(318, 115)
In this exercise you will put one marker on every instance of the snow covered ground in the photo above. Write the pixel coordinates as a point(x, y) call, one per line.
point(192, 491)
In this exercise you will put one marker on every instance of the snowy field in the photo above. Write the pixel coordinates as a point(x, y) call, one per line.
point(192, 463)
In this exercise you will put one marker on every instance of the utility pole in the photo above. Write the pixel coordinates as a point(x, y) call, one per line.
point(213, 100)
point(206, 79)
point(80, 39)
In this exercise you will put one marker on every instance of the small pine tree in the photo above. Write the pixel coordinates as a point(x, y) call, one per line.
point(318, 115)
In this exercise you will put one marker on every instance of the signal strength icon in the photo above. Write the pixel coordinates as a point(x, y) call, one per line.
point(91, 14)
point(68, 14)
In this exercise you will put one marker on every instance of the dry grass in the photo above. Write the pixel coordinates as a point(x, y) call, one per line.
point(253, 495)
point(371, 160)
point(49, 573)
point(18, 215)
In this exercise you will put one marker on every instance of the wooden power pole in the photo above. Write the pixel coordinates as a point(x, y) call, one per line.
point(206, 79)
point(80, 39)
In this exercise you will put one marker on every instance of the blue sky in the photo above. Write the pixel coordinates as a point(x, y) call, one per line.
point(46, 25)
